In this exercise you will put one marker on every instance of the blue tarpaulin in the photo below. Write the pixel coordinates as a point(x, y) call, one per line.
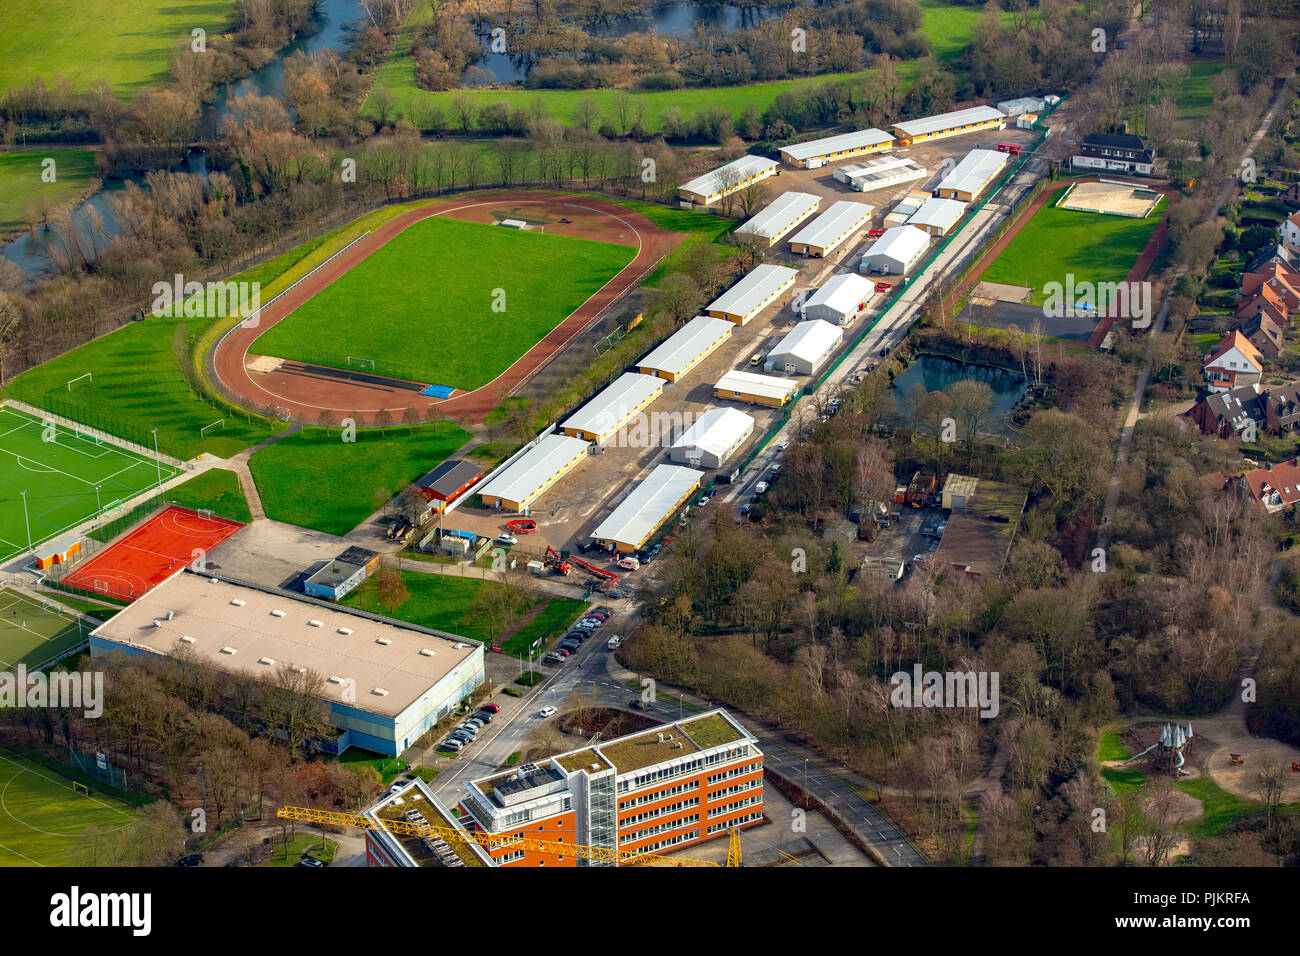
point(439, 391)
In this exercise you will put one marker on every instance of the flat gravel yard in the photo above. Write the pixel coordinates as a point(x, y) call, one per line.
point(447, 302)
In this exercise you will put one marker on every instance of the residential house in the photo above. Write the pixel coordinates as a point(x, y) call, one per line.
point(1229, 413)
point(1274, 487)
point(1265, 335)
point(1281, 278)
point(1282, 408)
point(1115, 152)
point(1264, 301)
point(1291, 195)
point(1279, 254)
point(1233, 361)
point(1289, 232)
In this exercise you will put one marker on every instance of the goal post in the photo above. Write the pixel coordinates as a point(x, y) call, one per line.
point(355, 361)
point(220, 423)
point(80, 788)
point(78, 378)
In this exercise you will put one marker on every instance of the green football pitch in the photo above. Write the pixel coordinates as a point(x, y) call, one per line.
point(447, 302)
point(33, 632)
point(44, 821)
point(60, 477)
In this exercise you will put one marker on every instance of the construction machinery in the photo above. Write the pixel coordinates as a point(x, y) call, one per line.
point(558, 564)
point(488, 841)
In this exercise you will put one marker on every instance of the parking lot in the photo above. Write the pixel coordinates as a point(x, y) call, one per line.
point(905, 537)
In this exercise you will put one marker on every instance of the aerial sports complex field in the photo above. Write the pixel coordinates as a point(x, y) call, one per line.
point(441, 305)
point(45, 820)
point(60, 477)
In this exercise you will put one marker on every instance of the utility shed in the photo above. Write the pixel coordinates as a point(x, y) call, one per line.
point(972, 175)
point(643, 512)
point(839, 300)
point(613, 407)
point(780, 216)
point(756, 389)
point(805, 348)
point(937, 216)
point(737, 174)
point(686, 348)
point(879, 173)
point(953, 123)
point(755, 291)
point(896, 251)
point(712, 439)
point(819, 152)
point(825, 233)
point(516, 486)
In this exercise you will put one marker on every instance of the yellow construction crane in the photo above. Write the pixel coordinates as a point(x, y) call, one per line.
point(490, 841)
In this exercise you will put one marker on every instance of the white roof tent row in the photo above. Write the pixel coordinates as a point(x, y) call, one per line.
point(879, 173)
point(780, 216)
point(896, 251)
point(728, 178)
point(534, 469)
point(1023, 104)
point(863, 140)
point(839, 299)
point(805, 347)
point(680, 352)
point(613, 406)
point(649, 505)
point(712, 437)
point(831, 228)
point(756, 288)
point(969, 177)
point(955, 121)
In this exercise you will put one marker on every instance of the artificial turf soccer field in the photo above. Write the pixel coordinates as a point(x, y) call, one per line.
point(32, 633)
point(44, 822)
point(1094, 247)
point(59, 477)
point(421, 307)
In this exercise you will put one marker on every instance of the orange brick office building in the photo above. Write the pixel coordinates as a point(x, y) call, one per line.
point(658, 790)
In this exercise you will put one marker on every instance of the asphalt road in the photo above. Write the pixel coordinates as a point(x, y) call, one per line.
point(592, 669)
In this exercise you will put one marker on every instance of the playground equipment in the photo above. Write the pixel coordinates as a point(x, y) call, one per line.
point(1236, 759)
point(522, 525)
point(1170, 748)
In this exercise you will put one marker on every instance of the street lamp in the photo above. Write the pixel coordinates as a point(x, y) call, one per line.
point(805, 782)
point(26, 520)
point(156, 460)
point(99, 508)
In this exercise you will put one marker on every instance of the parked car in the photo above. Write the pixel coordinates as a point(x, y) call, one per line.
point(553, 659)
point(507, 538)
point(704, 500)
point(310, 862)
point(486, 718)
point(756, 359)
point(568, 646)
point(614, 642)
point(782, 446)
point(473, 723)
point(599, 614)
point(562, 651)
point(630, 563)
point(396, 788)
point(454, 744)
point(194, 859)
point(588, 624)
point(491, 708)
point(636, 703)
point(616, 594)
point(547, 712)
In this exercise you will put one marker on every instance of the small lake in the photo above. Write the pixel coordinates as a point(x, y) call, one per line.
point(334, 21)
point(936, 373)
point(670, 19)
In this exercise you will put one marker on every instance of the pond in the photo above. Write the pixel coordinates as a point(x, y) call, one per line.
point(334, 21)
point(669, 19)
point(936, 373)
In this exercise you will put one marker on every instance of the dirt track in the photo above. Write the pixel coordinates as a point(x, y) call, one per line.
point(306, 395)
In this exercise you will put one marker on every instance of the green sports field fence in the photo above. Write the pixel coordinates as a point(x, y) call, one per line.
point(99, 766)
point(92, 419)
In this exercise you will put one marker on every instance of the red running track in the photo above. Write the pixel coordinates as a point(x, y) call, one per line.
point(151, 553)
point(306, 395)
